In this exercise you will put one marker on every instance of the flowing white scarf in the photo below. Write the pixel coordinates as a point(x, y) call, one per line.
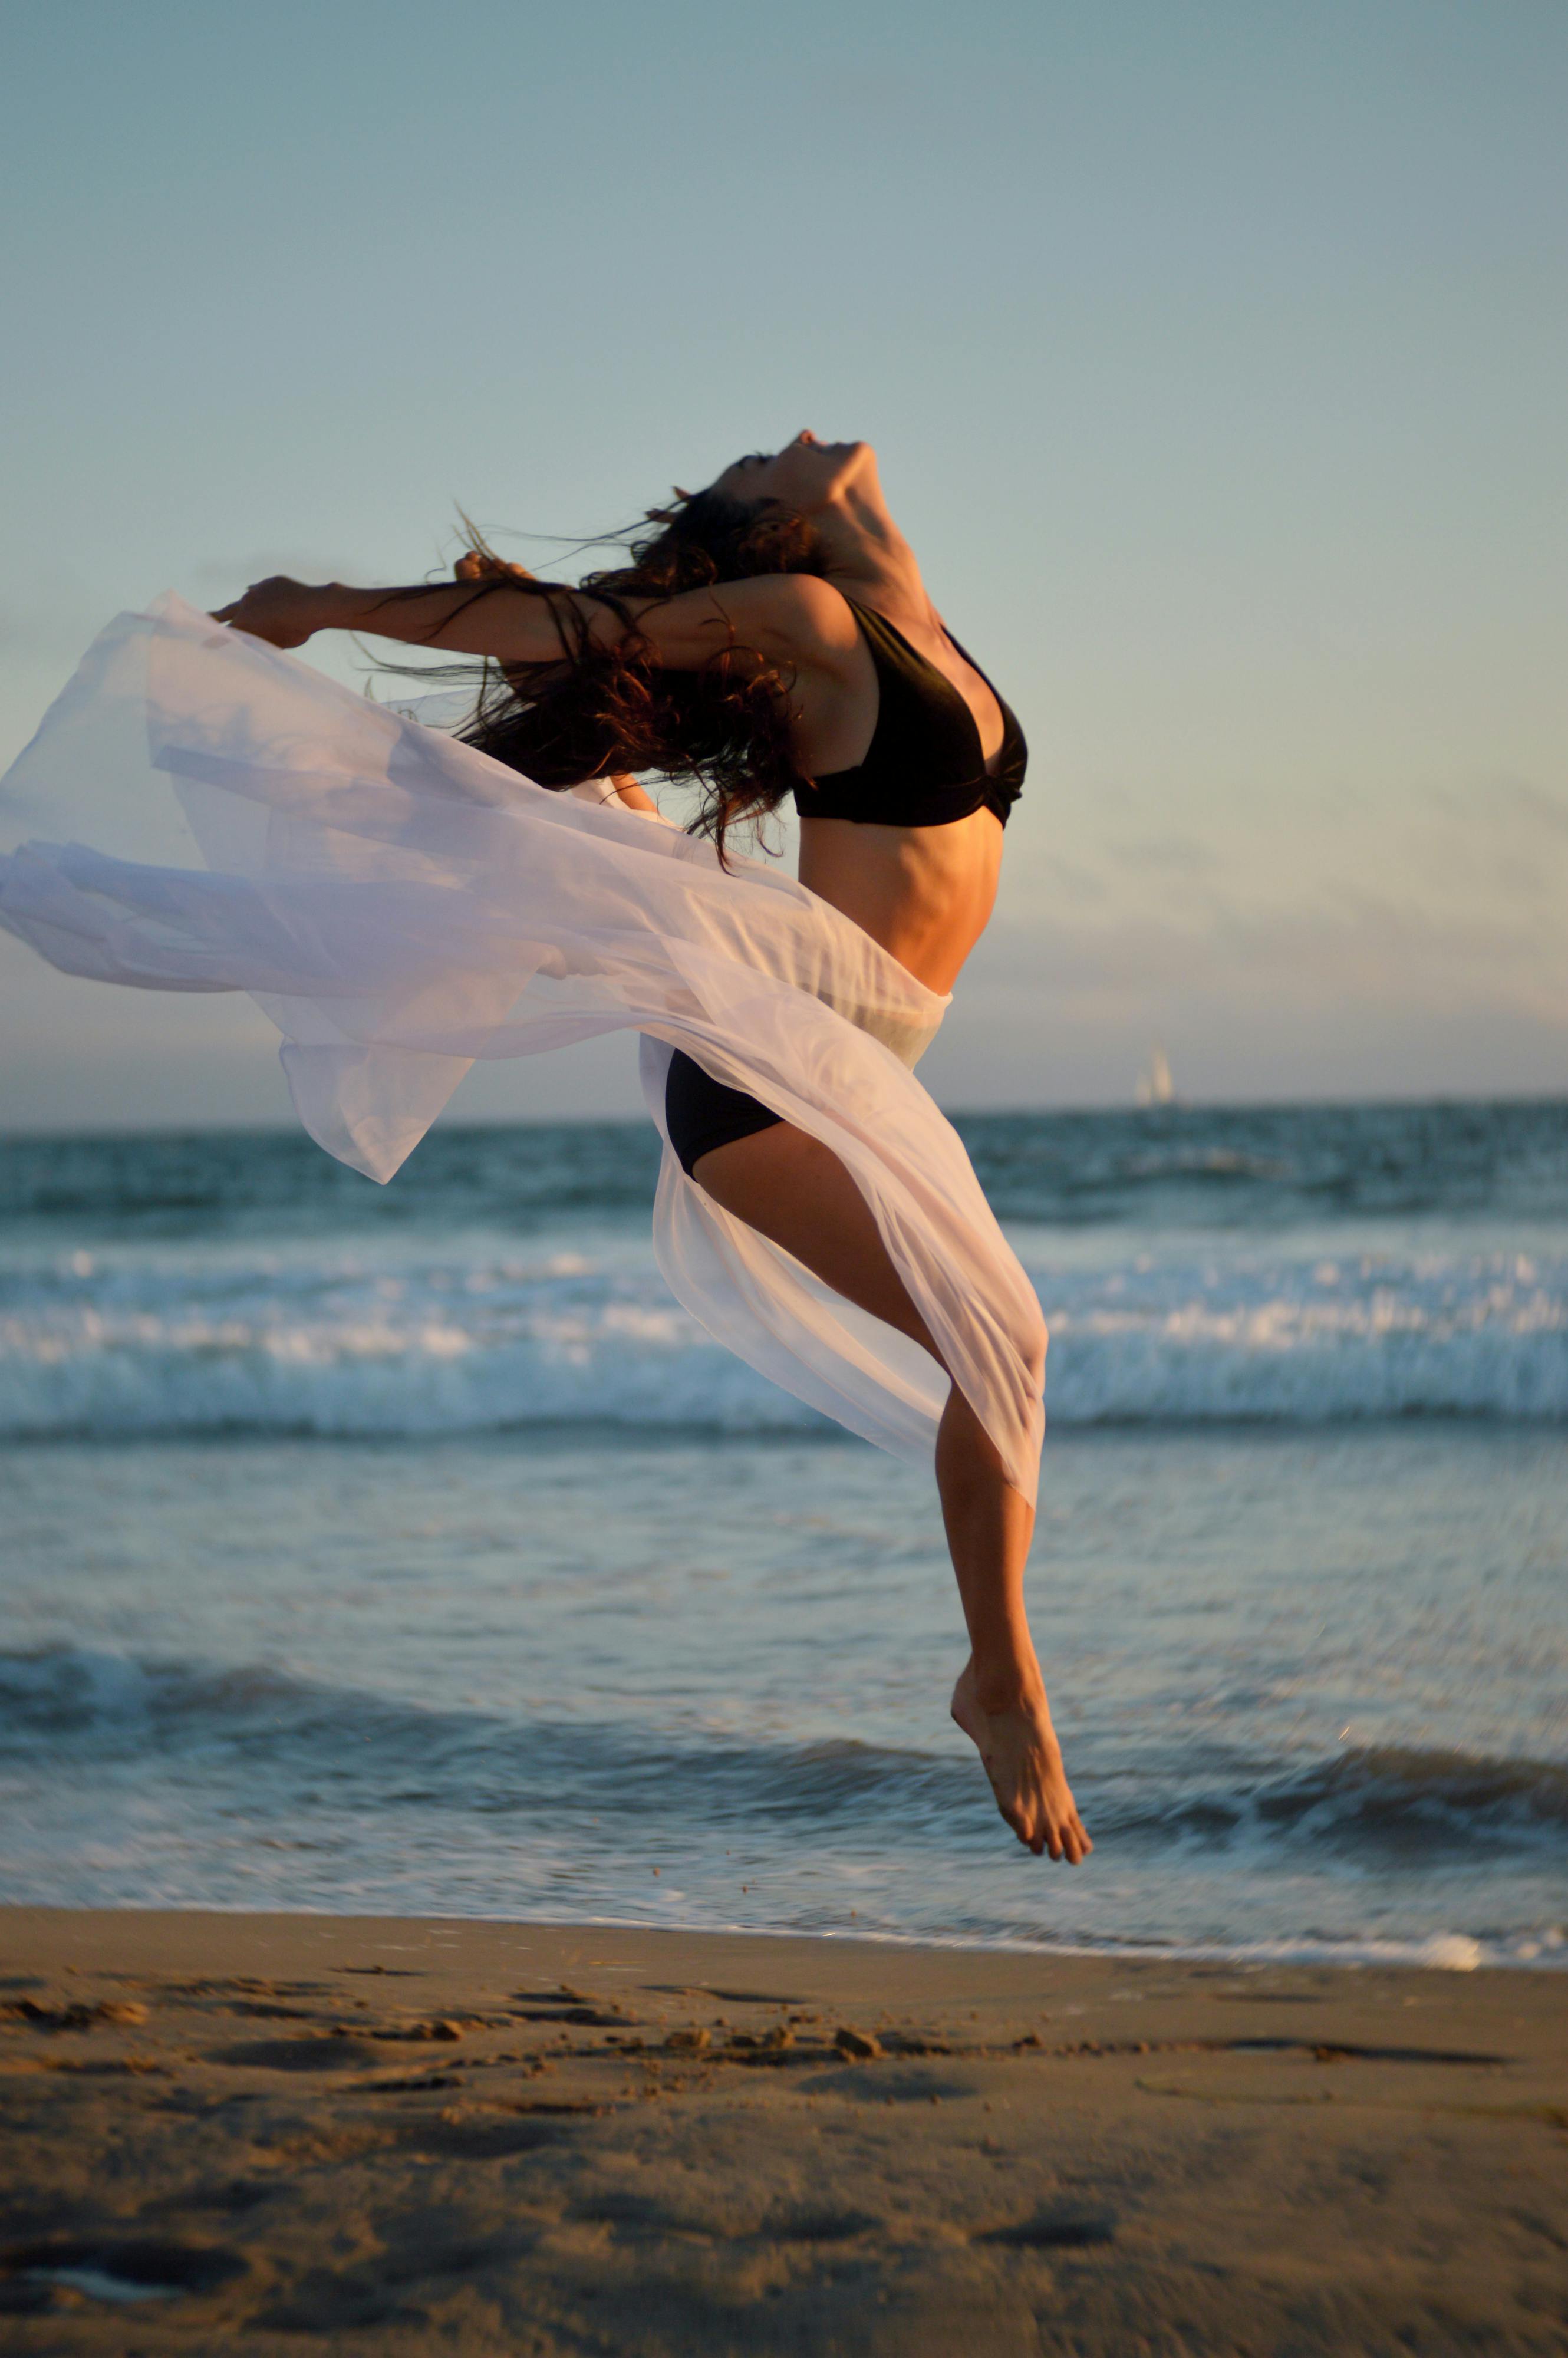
point(400, 904)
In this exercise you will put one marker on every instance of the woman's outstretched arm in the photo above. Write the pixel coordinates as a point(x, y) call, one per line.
point(787, 617)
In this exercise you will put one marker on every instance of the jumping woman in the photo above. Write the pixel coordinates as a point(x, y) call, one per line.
point(400, 901)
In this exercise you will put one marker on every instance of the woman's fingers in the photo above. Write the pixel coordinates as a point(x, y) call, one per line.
point(477, 564)
point(280, 609)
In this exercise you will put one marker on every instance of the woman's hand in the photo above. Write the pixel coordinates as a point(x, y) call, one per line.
point(282, 611)
point(478, 565)
point(286, 613)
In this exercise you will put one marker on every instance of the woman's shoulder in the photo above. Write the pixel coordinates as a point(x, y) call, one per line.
point(803, 601)
point(797, 615)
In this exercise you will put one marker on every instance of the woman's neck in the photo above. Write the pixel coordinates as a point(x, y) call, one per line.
point(869, 557)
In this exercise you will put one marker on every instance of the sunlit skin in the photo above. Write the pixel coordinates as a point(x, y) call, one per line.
point(924, 894)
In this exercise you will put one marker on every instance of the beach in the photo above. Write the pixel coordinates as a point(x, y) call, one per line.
point(283, 2131)
point(487, 1866)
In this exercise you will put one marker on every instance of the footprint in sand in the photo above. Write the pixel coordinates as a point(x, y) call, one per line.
point(296, 2055)
point(111, 2269)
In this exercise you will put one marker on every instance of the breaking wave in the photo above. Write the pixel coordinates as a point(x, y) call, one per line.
point(90, 1708)
point(366, 1342)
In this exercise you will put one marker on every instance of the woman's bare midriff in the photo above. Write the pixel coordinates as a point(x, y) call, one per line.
point(924, 892)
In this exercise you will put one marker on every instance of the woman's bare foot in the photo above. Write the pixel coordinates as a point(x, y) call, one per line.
point(1018, 1747)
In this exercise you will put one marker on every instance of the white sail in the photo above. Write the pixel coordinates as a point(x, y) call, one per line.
point(1155, 1087)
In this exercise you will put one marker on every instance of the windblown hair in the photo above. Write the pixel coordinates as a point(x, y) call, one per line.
point(601, 709)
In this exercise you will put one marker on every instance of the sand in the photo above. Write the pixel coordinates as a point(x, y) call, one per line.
point(277, 2133)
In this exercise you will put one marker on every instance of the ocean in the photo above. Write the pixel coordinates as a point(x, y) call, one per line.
point(408, 1550)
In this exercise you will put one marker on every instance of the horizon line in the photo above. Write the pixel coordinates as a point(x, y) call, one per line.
point(87, 1132)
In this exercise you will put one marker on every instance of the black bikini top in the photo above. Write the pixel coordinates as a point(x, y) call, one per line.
point(924, 767)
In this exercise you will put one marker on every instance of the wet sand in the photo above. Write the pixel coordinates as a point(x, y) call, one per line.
point(275, 2133)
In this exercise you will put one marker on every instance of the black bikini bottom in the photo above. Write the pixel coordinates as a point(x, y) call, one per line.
point(700, 1113)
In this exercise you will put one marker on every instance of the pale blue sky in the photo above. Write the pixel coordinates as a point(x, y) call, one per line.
point(1215, 355)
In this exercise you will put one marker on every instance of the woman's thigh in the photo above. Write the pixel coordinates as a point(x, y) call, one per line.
point(795, 1192)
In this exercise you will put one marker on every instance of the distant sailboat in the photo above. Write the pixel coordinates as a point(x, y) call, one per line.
point(1155, 1087)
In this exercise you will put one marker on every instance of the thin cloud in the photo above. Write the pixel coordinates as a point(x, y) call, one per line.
point(1516, 804)
point(1168, 855)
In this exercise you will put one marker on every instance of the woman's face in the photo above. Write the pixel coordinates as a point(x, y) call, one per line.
point(806, 475)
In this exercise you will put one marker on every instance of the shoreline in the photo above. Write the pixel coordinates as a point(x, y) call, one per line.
point(412, 2134)
point(1437, 1953)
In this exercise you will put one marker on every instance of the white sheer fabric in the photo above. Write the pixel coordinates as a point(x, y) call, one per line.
point(399, 906)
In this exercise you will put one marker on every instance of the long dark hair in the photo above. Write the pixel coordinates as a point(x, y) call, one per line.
point(600, 710)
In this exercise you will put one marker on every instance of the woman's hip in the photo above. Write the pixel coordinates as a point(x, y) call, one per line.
point(701, 1113)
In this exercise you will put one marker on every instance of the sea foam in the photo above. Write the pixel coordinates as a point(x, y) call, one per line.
point(367, 1341)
